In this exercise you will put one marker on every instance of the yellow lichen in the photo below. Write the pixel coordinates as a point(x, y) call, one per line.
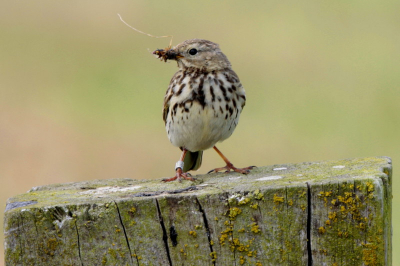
point(236, 242)
point(258, 195)
point(51, 246)
point(213, 256)
point(370, 256)
point(361, 226)
point(241, 248)
point(234, 212)
point(325, 193)
point(277, 199)
point(370, 187)
point(386, 171)
point(332, 216)
point(255, 228)
point(132, 211)
point(254, 206)
point(223, 237)
point(321, 230)
point(243, 201)
point(193, 233)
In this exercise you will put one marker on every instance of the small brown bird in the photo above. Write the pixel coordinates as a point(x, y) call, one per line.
point(202, 105)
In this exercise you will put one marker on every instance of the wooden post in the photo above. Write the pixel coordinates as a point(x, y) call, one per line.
point(315, 213)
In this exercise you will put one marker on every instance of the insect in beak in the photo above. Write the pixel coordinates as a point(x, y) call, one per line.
point(167, 54)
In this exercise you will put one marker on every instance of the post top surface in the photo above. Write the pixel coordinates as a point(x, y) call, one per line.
point(284, 175)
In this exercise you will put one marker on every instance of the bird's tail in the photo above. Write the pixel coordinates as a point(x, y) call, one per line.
point(192, 160)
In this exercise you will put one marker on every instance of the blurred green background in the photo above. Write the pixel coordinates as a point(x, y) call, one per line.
point(81, 96)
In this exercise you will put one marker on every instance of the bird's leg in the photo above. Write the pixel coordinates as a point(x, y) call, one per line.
point(229, 166)
point(179, 170)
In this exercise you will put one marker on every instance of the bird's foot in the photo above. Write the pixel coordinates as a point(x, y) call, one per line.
point(179, 175)
point(230, 167)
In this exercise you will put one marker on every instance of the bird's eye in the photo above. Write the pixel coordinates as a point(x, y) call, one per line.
point(193, 51)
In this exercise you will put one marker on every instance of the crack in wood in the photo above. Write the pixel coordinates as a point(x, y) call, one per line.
point(173, 235)
point(206, 226)
point(309, 251)
point(126, 236)
point(156, 193)
point(165, 236)
point(79, 243)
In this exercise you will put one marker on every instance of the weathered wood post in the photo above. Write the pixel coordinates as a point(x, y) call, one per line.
point(319, 213)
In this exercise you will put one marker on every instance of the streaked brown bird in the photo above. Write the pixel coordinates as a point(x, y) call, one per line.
point(202, 105)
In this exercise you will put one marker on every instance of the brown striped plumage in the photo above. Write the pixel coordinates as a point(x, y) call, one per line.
point(203, 102)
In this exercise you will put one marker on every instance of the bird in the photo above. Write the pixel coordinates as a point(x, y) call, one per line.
point(202, 104)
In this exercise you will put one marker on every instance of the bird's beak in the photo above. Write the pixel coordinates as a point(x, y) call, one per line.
point(167, 54)
point(173, 55)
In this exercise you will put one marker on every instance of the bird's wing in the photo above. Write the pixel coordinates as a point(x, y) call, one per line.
point(240, 92)
point(165, 112)
point(168, 96)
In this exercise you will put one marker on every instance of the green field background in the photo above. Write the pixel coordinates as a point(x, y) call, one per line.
point(81, 95)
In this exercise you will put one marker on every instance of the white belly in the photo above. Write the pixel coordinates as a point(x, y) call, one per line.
point(200, 129)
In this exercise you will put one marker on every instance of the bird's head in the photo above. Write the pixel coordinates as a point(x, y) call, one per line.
point(195, 53)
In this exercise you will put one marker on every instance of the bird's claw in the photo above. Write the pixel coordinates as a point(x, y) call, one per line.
point(230, 167)
point(179, 176)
